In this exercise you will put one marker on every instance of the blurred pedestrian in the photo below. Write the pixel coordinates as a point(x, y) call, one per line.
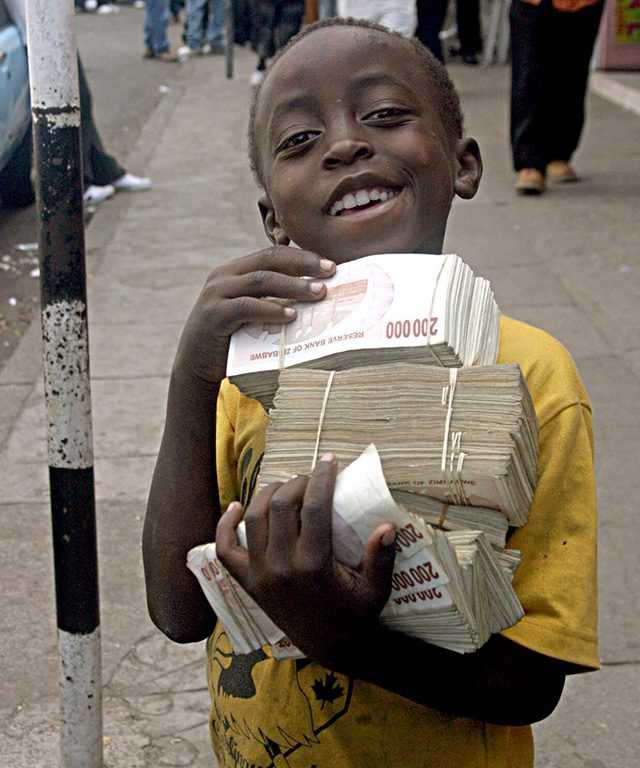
point(469, 32)
point(277, 21)
point(103, 176)
point(205, 28)
point(430, 17)
point(156, 41)
point(551, 46)
point(399, 15)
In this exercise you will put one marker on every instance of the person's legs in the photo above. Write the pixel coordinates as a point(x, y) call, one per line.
point(98, 167)
point(529, 48)
point(288, 20)
point(431, 16)
point(156, 18)
point(567, 87)
point(468, 21)
point(215, 25)
point(195, 19)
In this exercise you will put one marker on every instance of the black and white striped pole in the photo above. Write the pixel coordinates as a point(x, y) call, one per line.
point(55, 103)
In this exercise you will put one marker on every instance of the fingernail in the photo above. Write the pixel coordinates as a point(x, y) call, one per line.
point(326, 265)
point(388, 538)
point(289, 311)
point(315, 287)
point(235, 506)
point(328, 457)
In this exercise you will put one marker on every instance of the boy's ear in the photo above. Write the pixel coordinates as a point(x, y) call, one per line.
point(469, 168)
point(274, 231)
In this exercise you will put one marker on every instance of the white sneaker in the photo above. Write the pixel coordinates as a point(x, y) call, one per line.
point(257, 77)
point(139, 4)
point(94, 194)
point(185, 53)
point(131, 183)
point(90, 5)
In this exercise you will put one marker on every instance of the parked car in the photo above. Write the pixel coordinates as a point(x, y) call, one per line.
point(16, 188)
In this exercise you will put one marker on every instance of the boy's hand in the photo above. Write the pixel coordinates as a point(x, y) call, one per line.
point(324, 607)
point(236, 293)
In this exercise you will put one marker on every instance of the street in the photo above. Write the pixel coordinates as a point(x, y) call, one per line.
point(567, 261)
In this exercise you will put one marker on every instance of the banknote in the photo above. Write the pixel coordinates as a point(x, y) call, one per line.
point(385, 301)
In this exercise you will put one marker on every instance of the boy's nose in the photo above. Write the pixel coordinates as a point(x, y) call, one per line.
point(346, 151)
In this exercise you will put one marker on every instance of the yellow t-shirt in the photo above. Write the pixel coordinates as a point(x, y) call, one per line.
point(296, 713)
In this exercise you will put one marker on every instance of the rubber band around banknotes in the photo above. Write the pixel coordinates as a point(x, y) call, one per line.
point(323, 411)
point(450, 467)
point(281, 346)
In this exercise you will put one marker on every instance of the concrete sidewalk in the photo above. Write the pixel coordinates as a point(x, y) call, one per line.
point(568, 262)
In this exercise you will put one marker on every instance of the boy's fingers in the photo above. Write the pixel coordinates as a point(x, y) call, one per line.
point(256, 522)
point(315, 516)
point(284, 520)
point(377, 561)
point(234, 557)
point(289, 261)
point(264, 282)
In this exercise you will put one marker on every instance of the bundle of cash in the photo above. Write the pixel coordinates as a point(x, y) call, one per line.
point(450, 589)
point(427, 309)
point(463, 436)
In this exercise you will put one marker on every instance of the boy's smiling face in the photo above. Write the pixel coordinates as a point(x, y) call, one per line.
point(354, 152)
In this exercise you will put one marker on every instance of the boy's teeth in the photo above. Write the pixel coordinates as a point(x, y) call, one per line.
point(361, 197)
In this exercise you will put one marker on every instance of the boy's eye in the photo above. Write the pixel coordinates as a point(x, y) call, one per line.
point(387, 114)
point(296, 139)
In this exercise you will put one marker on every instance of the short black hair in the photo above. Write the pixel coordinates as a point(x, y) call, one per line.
point(435, 70)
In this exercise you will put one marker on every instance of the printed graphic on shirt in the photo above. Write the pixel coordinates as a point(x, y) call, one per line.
point(248, 476)
point(267, 713)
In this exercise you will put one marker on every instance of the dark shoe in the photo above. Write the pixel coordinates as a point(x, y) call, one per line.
point(166, 56)
point(561, 172)
point(470, 58)
point(530, 181)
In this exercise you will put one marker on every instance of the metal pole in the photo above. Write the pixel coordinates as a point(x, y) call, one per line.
point(55, 101)
point(230, 36)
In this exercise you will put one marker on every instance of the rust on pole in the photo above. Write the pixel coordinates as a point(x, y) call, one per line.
point(55, 103)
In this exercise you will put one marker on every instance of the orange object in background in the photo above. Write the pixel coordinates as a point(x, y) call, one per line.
point(311, 11)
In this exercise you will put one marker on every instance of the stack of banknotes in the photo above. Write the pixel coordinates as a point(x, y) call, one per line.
point(464, 436)
point(449, 588)
point(428, 309)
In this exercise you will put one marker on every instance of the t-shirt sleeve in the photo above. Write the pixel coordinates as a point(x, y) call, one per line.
point(226, 462)
point(241, 425)
point(557, 579)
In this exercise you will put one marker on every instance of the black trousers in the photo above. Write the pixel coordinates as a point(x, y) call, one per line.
point(550, 55)
point(98, 166)
point(468, 21)
point(277, 21)
point(431, 17)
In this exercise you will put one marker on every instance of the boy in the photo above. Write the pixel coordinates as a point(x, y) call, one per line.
point(346, 109)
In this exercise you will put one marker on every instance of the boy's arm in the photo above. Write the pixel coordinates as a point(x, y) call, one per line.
point(331, 612)
point(182, 511)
